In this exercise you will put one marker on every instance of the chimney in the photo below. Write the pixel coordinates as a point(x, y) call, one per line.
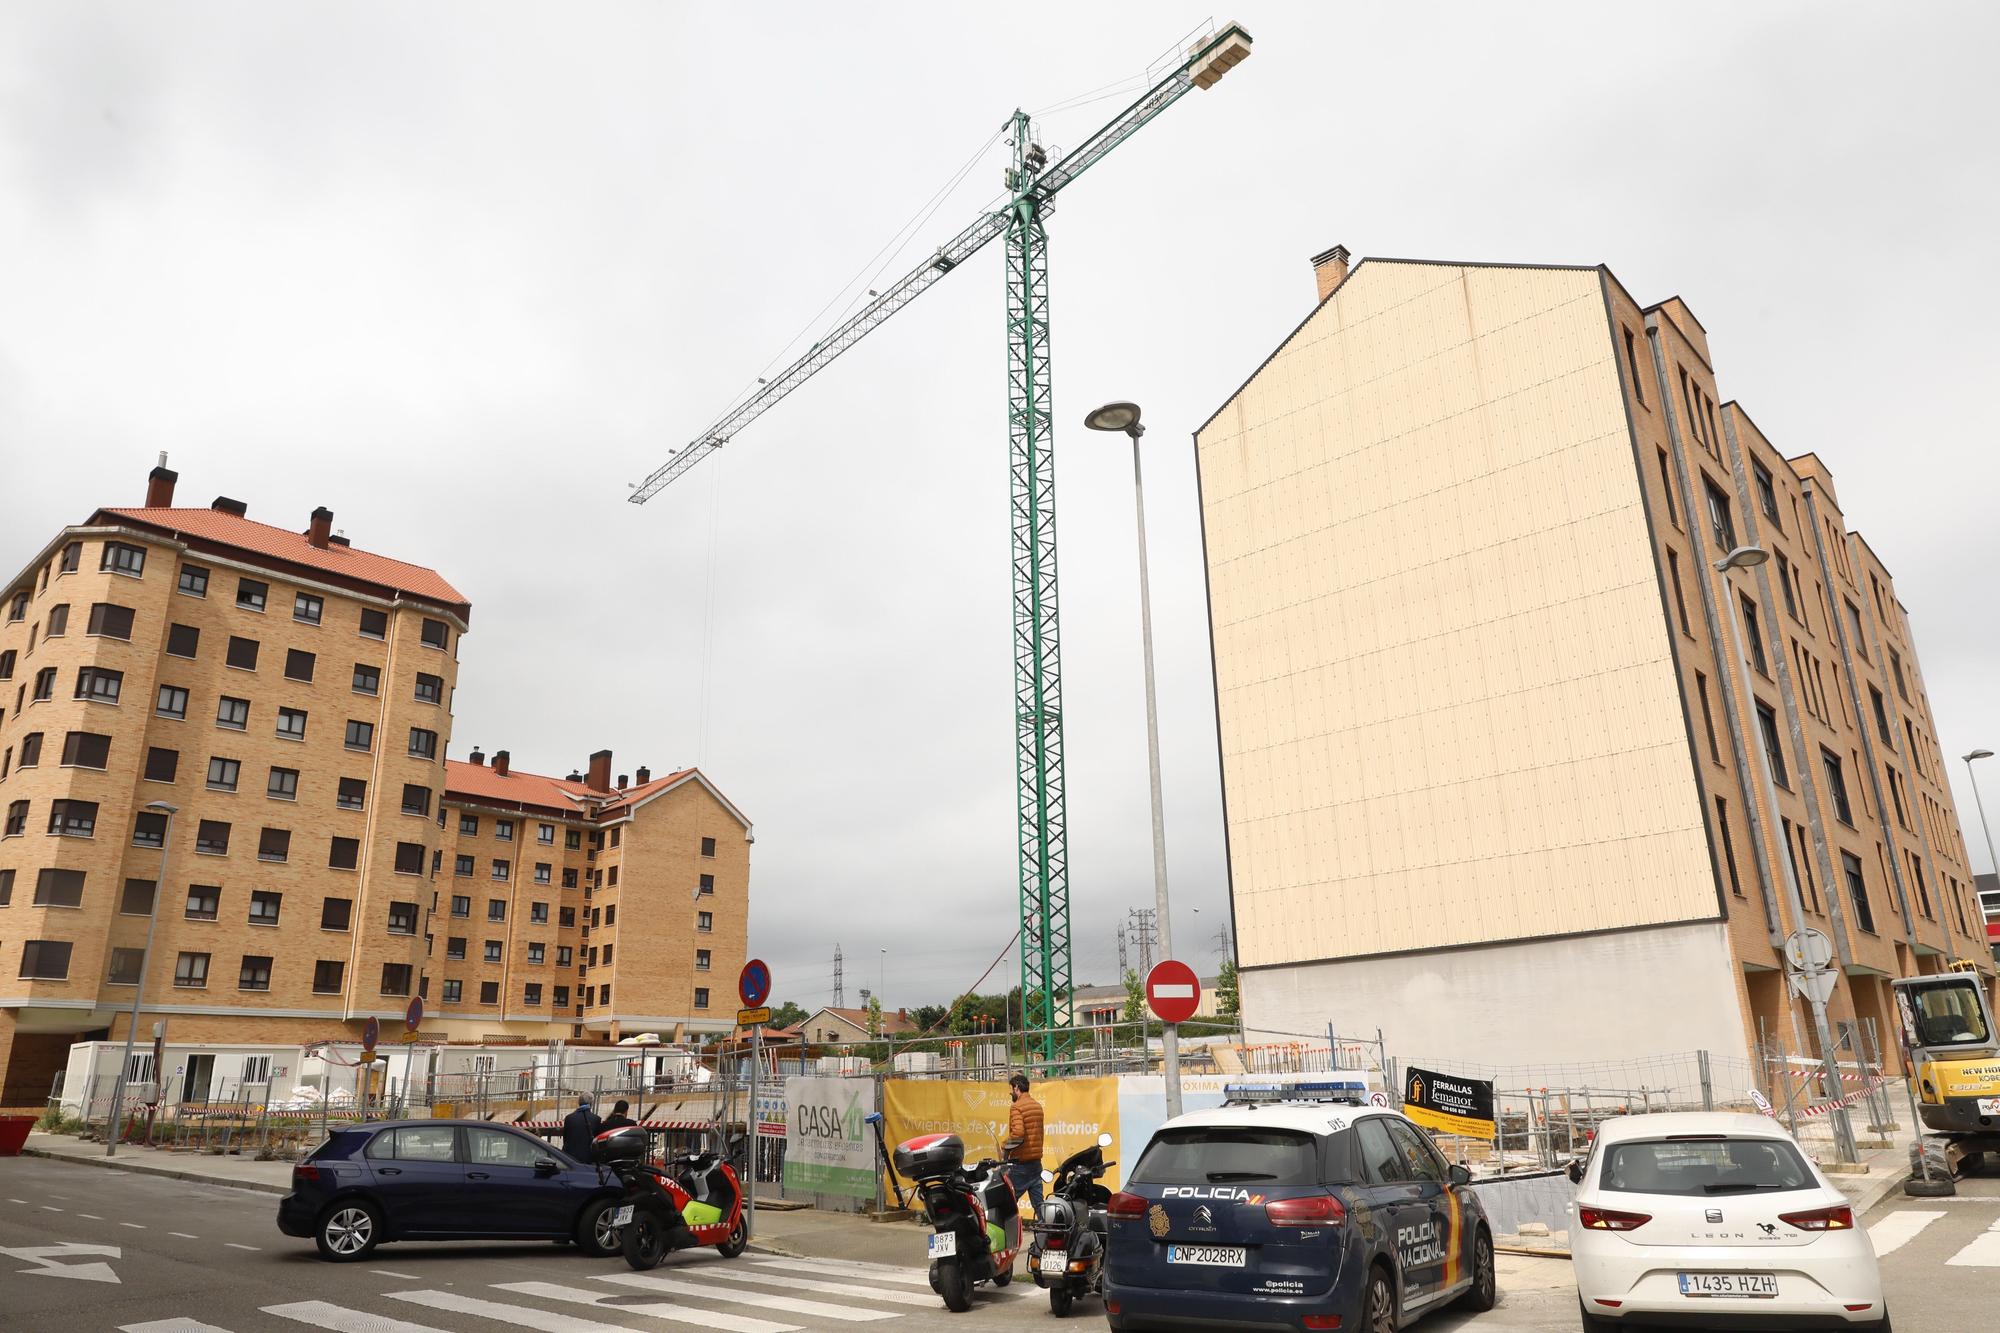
point(500, 761)
point(600, 771)
point(621, 782)
point(160, 485)
point(1330, 267)
point(224, 505)
point(645, 775)
point(574, 776)
point(321, 531)
point(478, 760)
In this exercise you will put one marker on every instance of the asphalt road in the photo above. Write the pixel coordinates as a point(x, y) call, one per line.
point(87, 1249)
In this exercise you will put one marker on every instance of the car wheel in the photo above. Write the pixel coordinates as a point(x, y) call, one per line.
point(1061, 1301)
point(1591, 1323)
point(1484, 1293)
point(347, 1230)
point(739, 1239)
point(1378, 1303)
point(1937, 1187)
point(955, 1285)
point(596, 1234)
point(644, 1241)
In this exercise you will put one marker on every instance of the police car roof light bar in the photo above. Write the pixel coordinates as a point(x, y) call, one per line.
point(1344, 1092)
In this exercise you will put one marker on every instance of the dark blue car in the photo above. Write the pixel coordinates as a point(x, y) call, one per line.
point(1294, 1214)
point(445, 1180)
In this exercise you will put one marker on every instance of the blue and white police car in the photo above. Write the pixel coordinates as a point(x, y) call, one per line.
point(1294, 1206)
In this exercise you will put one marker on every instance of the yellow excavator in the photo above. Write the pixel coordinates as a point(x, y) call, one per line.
point(1947, 1029)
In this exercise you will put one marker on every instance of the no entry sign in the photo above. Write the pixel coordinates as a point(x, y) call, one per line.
point(1173, 991)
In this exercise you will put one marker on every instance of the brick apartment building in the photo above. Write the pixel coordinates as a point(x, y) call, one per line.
point(1489, 775)
point(290, 696)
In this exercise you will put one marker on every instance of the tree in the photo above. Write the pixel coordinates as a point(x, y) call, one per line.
point(788, 1015)
point(1135, 997)
point(928, 1017)
point(1228, 1002)
point(874, 1015)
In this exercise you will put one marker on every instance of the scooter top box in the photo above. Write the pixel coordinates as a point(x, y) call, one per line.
point(929, 1155)
point(628, 1144)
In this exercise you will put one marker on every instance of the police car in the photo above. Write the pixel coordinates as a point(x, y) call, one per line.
point(1294, 1206)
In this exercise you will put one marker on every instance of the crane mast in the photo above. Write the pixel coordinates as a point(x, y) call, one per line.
point(1032, 183)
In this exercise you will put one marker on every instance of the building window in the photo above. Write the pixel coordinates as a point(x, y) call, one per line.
point(1895, 669)
point(72, 558)
point(1753, 637)
point(255, 974)
point(564, 955)
point(162, 765)
point(183, 641)
point(58, 621)
point(708, 847)
point(6, 887)
point(98, 685)
point(454, 949)
point(701, 997)
point(1836, 786)
point(17, 610)
point(58, 888)
point(204, 901)
point(701, 960)
point(538, 914)
point(73, 819)
point(31, 749)
point(292, 724)
point(112, 622)
point(545, 834)
point(306, 608)
point(7, 660)
point(489, 992)
point(604, 996)
point(173, 702)
point(1785, 583)
point(1767, 727)
point(299, 664)
point(454, 991)
point(569, 879)
point(360, 735)
point(462, 867)
point(274, 844)
point(611, 915)
point(85, 749)
point(542, 871)
point(704, 922)
point(496, 909)
point(402, 918)
point(566, 917)
point(1720, 525)
point(327, 975)
point(423, 744)
point(430, 689)
point(191, 971)
point(395, 978)
point(1632, 363)
point(1854, 622)
point(45, 682)
point(232, 713)
point(283, 784)
point(707, 885)
point(1896, 793)
point(436, 634)
point(352, 794)
point(461, 904)
point(617, 836)
point(500, 869)
point(374, 624)
point(416, 799)
point(1857, 891)
point(1680, 598)
point(251, 595)
point(409, 858)
point(1767, 494)
point(535, 953)
point(149, 829)
point(120, 558)
point(137, 899)
point(531, 993)
point(194, 581)
point(335, 913)
point(572, 839)
point(503, 829)
point(493, 951)
point(124, 969)
point(223, 773)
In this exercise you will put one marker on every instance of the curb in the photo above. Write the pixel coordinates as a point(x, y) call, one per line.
point(165, 1172)
point(1532, 1252)
point(1879, 1187)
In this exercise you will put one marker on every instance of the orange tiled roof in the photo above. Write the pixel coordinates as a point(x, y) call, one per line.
point(213, 525)
point(482, 782)
point(859, 1018)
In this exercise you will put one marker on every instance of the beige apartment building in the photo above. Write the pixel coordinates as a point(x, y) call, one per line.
point(1489, 773)
point(266, 712)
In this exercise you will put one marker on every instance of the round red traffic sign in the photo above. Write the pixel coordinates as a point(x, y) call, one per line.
point(371, 1032)
point(413, 1017)
point(753, 983)
point(1173, 991)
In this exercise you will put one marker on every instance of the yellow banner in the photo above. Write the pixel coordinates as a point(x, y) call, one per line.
point(1463, 1126)
point(1074, 1112)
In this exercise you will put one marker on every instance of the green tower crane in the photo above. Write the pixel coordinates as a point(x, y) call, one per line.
point(1032, 184)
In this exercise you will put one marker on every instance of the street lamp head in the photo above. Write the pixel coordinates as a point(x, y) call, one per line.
point(163, 807)
point(1743, 557)
point(1979, 754)
point(1116, 417)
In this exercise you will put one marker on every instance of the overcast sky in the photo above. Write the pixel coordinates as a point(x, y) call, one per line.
point(463, 272)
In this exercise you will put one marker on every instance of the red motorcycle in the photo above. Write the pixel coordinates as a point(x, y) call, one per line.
point(975, 1218)
point(695, 1200)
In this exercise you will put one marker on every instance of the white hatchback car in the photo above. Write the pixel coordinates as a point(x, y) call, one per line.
point(1716, 1220)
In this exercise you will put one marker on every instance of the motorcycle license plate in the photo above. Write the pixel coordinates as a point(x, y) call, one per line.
point(622, 1217)
point(1762, 1285)
point(1055, 1261)
point(1209, 1256)
point(944, 1244)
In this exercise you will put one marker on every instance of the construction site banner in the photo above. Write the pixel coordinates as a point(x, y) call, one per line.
point(827, 1146)
point(1448, 1104)
point(1074, 1112)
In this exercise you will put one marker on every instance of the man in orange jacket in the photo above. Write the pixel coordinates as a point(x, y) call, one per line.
point(1023, 1147)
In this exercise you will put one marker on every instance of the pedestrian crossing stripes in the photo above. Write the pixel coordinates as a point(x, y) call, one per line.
point(1983, 1252)
point(1899, 1228)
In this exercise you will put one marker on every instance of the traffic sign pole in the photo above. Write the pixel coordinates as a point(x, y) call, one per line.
point(753, 987)
point(1174, 993)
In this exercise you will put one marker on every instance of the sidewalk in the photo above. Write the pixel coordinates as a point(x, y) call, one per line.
point(242, 1172)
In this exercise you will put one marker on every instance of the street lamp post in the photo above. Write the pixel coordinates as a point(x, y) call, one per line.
point(1125, 417)
point(117, 1126)
point(1980, 802)
point(1749, 557)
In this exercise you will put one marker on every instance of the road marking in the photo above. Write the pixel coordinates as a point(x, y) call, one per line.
point(234, 1246)
point(183, 1235)
point(136, 1226)
point(1899, 1228)
point(92, 1216)
point(48, 1208)
point(895, 1296)
point(833, 1268)
point(406, 1277)
point(759, 1300)
point(550, 1291)
point(171, 1326)
point(1983, 1252)
point(340, 1319)
point(523, 1317)
point(48, 1261)
point(22, 1202)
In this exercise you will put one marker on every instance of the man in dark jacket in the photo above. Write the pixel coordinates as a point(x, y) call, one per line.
point(579, 1128)
point(617, 1119)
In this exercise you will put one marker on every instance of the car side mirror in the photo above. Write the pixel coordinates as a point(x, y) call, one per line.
point(1459, 1175)
point(1575, 1172)
point(547, 1166)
